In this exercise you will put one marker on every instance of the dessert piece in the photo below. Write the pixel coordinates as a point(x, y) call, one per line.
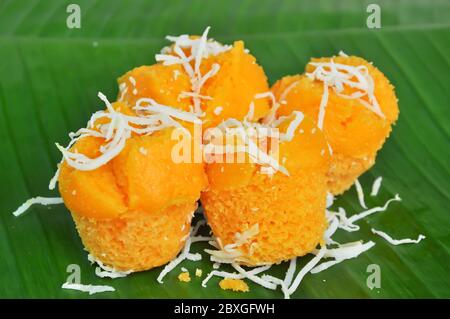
point(352, 102)
point(234, 87)
point(225, 80)
point(264, 215)
point(134, 212)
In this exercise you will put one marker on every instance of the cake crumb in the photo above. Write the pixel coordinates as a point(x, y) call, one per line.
point(198, 272)
point(234, 284)
point(184, 277)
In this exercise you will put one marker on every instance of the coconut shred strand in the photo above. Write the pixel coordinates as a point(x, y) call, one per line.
point(392, 241)
point(37, 200)
point(376, 186)
point(150, 118)
point(336, 76)
point(200, 49)
point(91, 289)
point(360, 192)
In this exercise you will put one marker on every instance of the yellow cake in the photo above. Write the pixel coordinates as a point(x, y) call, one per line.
point(281, 216)
point(354, 132)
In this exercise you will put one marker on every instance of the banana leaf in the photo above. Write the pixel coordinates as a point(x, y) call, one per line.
point(50, 76)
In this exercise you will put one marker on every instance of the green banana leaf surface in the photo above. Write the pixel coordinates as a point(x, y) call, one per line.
point(50, 76)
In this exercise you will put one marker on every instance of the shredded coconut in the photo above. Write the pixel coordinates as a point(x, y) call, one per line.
point(360, 192)
point(37, 200)
point(398, 241)
point(376, 186)
point(151, 117)
point(104, 271)
point(200, 48)
point(336, 76)
point(91, 289)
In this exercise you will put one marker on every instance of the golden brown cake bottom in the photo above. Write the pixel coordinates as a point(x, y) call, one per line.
point(136, 241)
point(345, 170)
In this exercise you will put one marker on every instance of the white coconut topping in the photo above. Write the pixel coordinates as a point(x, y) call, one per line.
point(271, 120)
point(342, 220)
point(91, 289)
point(285, 93)
point(185, 94)
point(242, 275)
point(232, 253)
point(278, 282)
point(290, 132)
point(37, 200)
point(150, 117)
point(247, 132)
point(143, 151)
point(398, 241)
point(176, 74)
point(360, 192)
point(218, 110)
point(108, 274)
point(330, 200)
point(199, 49)
point(210, 48)
point(343, 252)
point(251, 112)
point(170, 266)
point(123, 88)
point(54, 179)
point(132, 80)
point(259, 280)
point(264, 95)
point(185, 253)
point(306, 269)
point(104, 271)
point(337, 76)
point(146, 107)
point(194, 257)
point(322, 106)
point(290, 272)
point(356, 217)
point(275, 105)
point(376, 186)
point(330, 150)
